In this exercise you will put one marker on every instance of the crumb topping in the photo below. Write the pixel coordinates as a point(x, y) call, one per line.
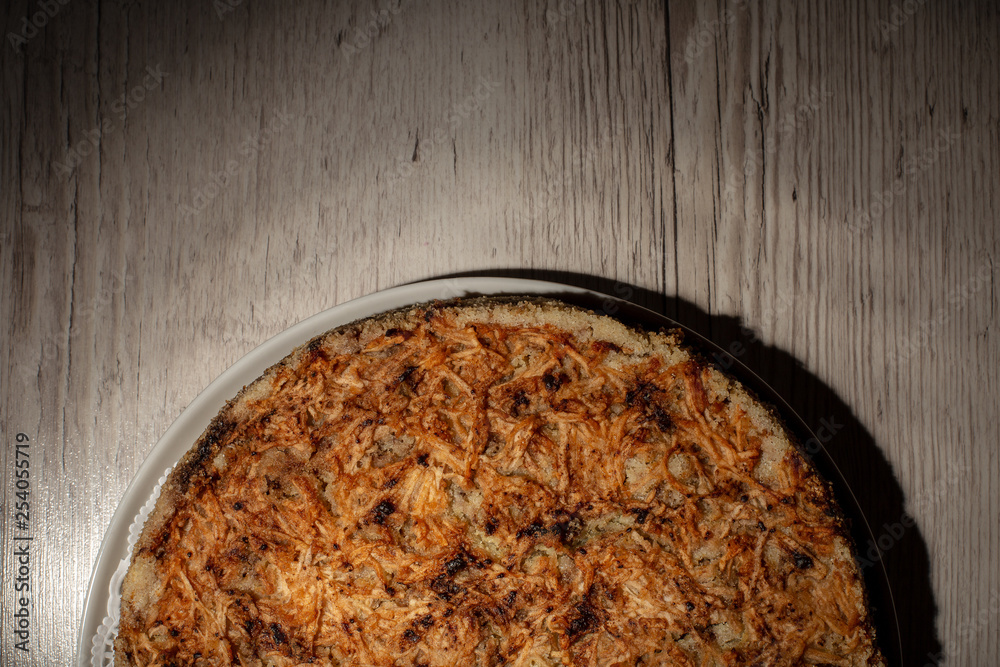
point(460, 492)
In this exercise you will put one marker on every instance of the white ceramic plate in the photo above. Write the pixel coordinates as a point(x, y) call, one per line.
point(100, 614)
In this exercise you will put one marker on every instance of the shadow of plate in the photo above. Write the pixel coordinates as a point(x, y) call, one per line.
point(897, 576)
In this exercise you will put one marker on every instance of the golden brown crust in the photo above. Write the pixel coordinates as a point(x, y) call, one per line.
point(494, 482)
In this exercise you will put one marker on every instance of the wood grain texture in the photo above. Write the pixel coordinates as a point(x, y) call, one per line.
point(811, 185)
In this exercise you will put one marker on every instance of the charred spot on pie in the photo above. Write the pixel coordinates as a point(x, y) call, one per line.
point(444, 587)
point(398, 333)
point(554, 381)
point(252, 626)
point(315, 345)
point(195, 465)
point(584, 620)
point(802, 561)
point(650, 398)
point(662, 419)
point(641, 393)
point(407, 378)
point(641, 514)
point(519, 402)
point(381, 512)
point(567, 528)
point(456, 564)
point(534, 529)
point(278, 634)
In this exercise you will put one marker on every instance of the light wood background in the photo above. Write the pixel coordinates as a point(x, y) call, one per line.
point(815, 184)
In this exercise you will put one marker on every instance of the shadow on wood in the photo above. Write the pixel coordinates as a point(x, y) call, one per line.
point(863, 479)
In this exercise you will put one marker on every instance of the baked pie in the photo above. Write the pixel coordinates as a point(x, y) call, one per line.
point(494, 482)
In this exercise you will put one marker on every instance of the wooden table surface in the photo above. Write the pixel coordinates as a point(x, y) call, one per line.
point(811, 185)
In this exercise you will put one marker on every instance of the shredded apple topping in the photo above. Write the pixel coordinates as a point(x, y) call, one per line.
point(468, 488)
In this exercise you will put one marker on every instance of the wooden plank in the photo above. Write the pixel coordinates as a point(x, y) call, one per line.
point(814, 185)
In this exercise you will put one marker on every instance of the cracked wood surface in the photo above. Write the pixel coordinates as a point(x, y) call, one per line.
point(812, 186)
